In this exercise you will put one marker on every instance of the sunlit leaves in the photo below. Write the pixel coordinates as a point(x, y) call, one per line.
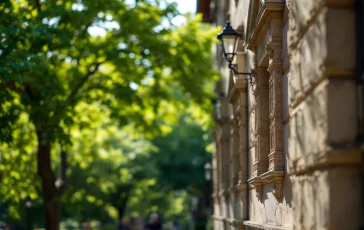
point(18, 166)
point(101, 79)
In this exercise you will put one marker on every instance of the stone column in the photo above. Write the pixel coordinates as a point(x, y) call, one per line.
point(262, 119)
point(274, 50)
point(241, 84)
point(218, 156)
point(235, 147)
point(224, 153)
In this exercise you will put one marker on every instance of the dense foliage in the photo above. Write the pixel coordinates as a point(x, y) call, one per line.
point(89, 112)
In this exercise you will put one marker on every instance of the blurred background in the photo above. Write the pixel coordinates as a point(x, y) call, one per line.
point(105, 114)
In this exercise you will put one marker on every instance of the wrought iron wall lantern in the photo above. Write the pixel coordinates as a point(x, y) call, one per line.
point(229, 40)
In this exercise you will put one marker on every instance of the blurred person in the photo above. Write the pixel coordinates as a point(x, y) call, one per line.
point(154, 223)
point(124, 225)
point(175, 225)
point(87, 225)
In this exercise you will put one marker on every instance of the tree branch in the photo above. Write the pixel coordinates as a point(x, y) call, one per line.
point(83, 81)
point(58, 113)
point(37, 5)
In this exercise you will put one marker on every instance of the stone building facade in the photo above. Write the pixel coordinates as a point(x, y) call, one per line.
point(287, 144)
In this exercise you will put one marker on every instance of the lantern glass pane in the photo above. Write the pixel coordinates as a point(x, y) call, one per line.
point(229, 43)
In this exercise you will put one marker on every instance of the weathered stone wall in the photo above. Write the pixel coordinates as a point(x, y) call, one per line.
point(301, 169)
point(322, 116)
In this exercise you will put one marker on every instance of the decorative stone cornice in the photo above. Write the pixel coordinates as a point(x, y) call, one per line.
point(272, 176)
point(258, 186)
point(277, 178)
point(268, 11)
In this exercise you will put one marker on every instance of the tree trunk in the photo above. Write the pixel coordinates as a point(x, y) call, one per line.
point(49, 190)
point(121, 211)
point(122, 206)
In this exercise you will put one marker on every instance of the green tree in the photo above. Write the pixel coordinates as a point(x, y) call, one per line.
point(109, 165)
point(182, 154)
point(50, 63)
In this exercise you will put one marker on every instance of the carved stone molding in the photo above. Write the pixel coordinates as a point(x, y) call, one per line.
point(258, 20)
point(277, 178)
point(258, 186)
point(273, 176)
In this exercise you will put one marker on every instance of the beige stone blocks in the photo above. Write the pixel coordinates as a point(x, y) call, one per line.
point(327, 199)
point(340, 43)
point(323, 124)
point(326, 48)
point(345, 210)
point(308, 128)
point(302, 15)
point(341, 110)
point(311, 201)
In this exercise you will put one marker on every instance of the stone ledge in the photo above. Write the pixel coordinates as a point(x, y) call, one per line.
point(234, 222)
point(271, 176)
point(325, 159)
point(265, 226)
point(220, 218)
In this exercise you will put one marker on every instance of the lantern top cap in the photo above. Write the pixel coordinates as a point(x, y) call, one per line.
point(227, 31)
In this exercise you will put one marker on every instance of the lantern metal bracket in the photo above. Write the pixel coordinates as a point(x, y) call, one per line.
point(232, 67)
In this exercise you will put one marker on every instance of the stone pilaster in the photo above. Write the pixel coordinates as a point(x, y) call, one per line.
point(274, 50)
point(235, 147)
point(242, 85)
point(225, 144)
point(262, 122)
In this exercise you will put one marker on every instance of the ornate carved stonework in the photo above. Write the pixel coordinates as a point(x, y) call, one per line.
point(258, 185)
point(277, 179)
point(265, 40)
point(236, 92)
